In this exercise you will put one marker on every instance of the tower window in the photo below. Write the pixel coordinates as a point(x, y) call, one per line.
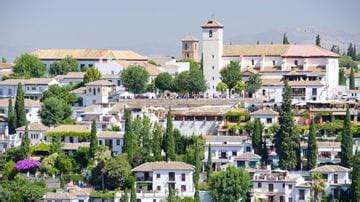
point(252, 62)
point(213, 67)
point(186, 46)
point(210, 33)
point(273, 62)
point(213, 78)
point(296, 62)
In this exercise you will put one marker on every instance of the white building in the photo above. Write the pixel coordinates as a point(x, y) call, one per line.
point(153, 180)
point(87, 57)
point(71, 194)
point(112, 139)
point(70, 78)
point(36, 132)
point(267, 116)
point(336, 179)
point(280, 186)
point(33, 87)
point(173, 67)
point(96, 92)
point(225, 148)
point(328, 152)
point(6, 69)
point(312, 71)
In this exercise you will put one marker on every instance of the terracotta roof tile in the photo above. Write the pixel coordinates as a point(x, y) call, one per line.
point(69, 128)
point(330, 169)
point(212, 23)
point(100, 83)
point(163, 165)
point(247, 156)
point(265, 111)
point(34, 127)
point(225, 138)
point(110, 134)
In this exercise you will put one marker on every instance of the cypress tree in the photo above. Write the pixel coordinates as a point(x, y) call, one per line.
point(354, 53)
point(197, 195)
point(286, 139)
point(209, 163)
point(350, 50)
point(257, 136)
point(342, 79)
point(145, 139)
point(156, 142)
point(125, 196)
point(346, 153)
point(25, 144)
point(312, 149)
point(197, 162)
point(20, 114)
point(355, 180)
point(169, 138)
point(128, 133)
point(264, 153)
point(133, 193)
point(11, 118)
point(93, 139)
point(172, 195)
point(352, 79)
point(317, 41)
point(285, 39)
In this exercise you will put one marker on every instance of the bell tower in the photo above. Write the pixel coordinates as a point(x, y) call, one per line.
point(190, 48)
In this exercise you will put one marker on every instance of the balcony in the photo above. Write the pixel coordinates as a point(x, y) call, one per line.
point(144, 179)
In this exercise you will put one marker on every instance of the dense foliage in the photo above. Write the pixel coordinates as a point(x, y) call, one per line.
point(64, 66)
point(135, 78)
point(27, 65)
point(92, 74)
point(346, 153)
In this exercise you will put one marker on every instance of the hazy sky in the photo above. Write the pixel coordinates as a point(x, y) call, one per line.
point(155, 26)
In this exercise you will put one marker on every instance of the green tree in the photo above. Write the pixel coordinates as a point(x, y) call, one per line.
point(172, 195)
point(312, 150)
point(93, 139)
point(145, 137)
point(55, 146)
point(286, 139)
point(355, 174)
point(169, 141)
point(209, 168)
point(59, 92)
point(25, 144)
point(352, 79)
point(81, 157)
point(20, 113)
point(253, 84)
point(222, 87)
point(318, 185)
point(346, 153)
point(135, 78)
point(156, 142)
point(64, 163)
point(131, 146)
point(92, 74)
point(125, 196)
point(196, 81)
point(197, 164)
point(317, 40)
point(240, 87)
point(350, 51)
point(256, 137)
point(116, 172)
point(347, 61)
point(128, 132)
point(29, 66)
point(181, 83)
point(232, 184)
point(11, 118)
point(231, 74)
point(3, 60)
point(335, 49)
point(133, 193)
point(64, 66)
point(54, 111)
point(164, 81)
point(342, 78)
point(285, 39)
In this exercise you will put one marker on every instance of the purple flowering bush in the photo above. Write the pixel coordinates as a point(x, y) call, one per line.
point(27, 164)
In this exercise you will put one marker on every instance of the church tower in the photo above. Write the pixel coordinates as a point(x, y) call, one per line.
point(212, 50)
point(190, 48)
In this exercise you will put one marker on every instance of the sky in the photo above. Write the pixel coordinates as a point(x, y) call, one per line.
point(155, 27)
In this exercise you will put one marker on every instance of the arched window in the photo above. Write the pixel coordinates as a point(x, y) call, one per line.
point(296, 62)
point(252, 62)
point(185, 46)
point(210, 33)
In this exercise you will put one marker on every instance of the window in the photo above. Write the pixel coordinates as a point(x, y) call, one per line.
point(33, 88)
point(90, 65)
point(183, 177)
point(324, 176)
point(1, 91)
point(213, 67)
point(282, 199)
point(301, 194)
point(154, 200)
point(185, 46)
point(210, 33)
point(158, 188)
point(290, 186)
point(98, 90)
point(283, 185)
point(271, 187)
point(117, 142)
point(212, 56)
point(259, 184)
point(9, 91)
point(234, 153)
point(119, 83)
point(296, 62)
point(158, 175)
point(213, 78)
point(335, 178)
point(248, 149)
point(183, 188)
point(273, 62)
point(187, 55)
point(252, 62)
point(100, 142)
point(314, 91)
point(263, 92)
point(268, 120)
point(71, 139)
point(290, 199)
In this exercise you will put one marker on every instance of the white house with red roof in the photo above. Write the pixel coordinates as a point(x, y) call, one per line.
point(312, 71)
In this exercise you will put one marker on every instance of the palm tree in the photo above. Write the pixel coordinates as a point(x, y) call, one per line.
point(318, 186)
